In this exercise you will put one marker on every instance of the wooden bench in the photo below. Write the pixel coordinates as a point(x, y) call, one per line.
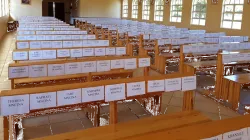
point(140, 127)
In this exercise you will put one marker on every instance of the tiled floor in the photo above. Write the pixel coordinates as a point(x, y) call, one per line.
point(71, 121)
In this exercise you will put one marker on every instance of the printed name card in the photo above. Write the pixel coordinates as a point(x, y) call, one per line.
point(11, 105)
point(156, 85)
point(172, 84)
point(73, 68)
point(68, 97)
point(46, 44)
point(188, 83)
point(18, 72)
point(76, 43)
point(117, 64)
point(56, 44)
point(35, 44)
point(55, 69)
point(89, 66)
point(37, 70)
point(92, 94)
point(20, 55)
point(114, 92)
point(88, 52)
point(67, 44)
point(144, 62)
point(20, 38)
point(63, 53)
point(76, 52)
point(42, 100)
point(100, 52)
point(22, 45)
point(236, 135)
point(120, 51)
point(214, 138)
point(137, 88)
point(103, 65)
point(36, 55)
point(130, 63)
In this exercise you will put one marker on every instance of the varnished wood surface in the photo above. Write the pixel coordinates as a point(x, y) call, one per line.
point(239, 78)
point(202, 64)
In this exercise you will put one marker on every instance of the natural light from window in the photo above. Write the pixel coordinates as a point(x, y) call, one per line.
point(159, 8)
point(176, 11)
point(198, 15)
point(145, 9)
point(135, 9)
point(125, 8)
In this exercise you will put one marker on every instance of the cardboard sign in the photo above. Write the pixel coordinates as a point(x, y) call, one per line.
point(36, 55)
point(76, 43)
point(144, 62)
point(46, 44)
point(115, 92)
point(63, 53)
point(22, 45)
point(103, 65)
point(18, 72)
point(12, 105)
point(236, 135)
point(76, 52)
point(219, 137)
point(188, 83)
point(172, 84)
point(92, 94)
point(120, 51)
point(137, 88)
point(55, 69)
point(110, 51)
point(20, 55)
point(56, 44)
point(42, 100)
point(100, 52)
point(68, 97)
point(88, 52)
point(130, 63)
point(117, 64)
point(89, 66)
point(73, 68)
point(37, 70)
point(156, 86)
point(35, 44)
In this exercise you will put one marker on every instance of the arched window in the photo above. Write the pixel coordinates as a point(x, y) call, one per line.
point(135, 9)
point(232, 11)
point(159, 7)
point(199, 9)
point(125, 8)
point(6, 7)
point(176, 11)
point(145, 9)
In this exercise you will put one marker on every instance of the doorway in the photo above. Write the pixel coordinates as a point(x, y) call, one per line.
point(56, 9)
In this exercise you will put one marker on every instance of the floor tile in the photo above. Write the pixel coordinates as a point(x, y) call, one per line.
point(175, 101)
point(137, 109)
point(228, 112)
point(82, 114)
point(35, 121)
point(36, 132)
point(212, 116)
point(87, 123)
point(68, 126)
point(166, 99)
point(61, 117)
point(173, 109)
point(126, 116)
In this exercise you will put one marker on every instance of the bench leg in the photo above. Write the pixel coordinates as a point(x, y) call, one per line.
point(188, 101)
point(113, 112)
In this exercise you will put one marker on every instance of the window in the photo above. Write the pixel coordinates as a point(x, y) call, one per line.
point(176, 11)
point(125, 8)
point(135, 9)
point(159, 7)
point(232, 11)
point(198, 15)
point(4, 7)
point(145, 9)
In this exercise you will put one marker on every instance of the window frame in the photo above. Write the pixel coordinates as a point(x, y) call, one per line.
point(145, 11)
point(134, 9)
point(200, 12)
point(175, 3)
point(125, 9)
point(160, 11)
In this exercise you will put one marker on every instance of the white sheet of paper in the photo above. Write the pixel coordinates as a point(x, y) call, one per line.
point(77, 43)
point(91, 37)
point(76, 37)
point(40, 37)
point(56, 44)
point(46, 44)
point(31, 37)
point(35, 44)
point(50, 37)
point(22, 45)
point(226, 58)
point(115, 92)
point(144, 62)
point(120, 51)
point(36, 55)
point(161, 42)
point(21, 38)
point(137, 88)
point(103, 43)
point(103, 65)
point(130, 63)
point(92, 94)
point(22, 55)
point(56, 69)
point(88, 52)
point(49, 54)
point(236, 135)
point(42, 100)
point(18, 72)
point(68, 97)
point(73, 68)
point(172, 84)
point(76, 52)
point(63, 53)
point(89, 67)
point(219, 137)
point(58, 37)
point(67, 37)
point(110, 51)
point(67, 44)
point(117, 64)
point(11, 105)
point(100, 52)
point(38, 71)
point(188, 83)
point(156, 86)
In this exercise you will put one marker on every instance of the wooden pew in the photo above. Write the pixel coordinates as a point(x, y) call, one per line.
point(136, 128)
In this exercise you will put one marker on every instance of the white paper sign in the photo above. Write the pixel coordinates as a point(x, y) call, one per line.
point(92, 94)
point(110, 51)
point(76, 52)
point(156, 85)
point(37, 70)
point(134, 89)
point(130, 63)
point(55, 69)
point(68, 97)
point(36, 55)
point(11, 105)
point(49, 54)
point(89, 66)
point(42, 100)
point(88, 52)
point(67, 44)
point(172, 84)
point(35, 44)
point(100, 52)
point(73, 68)
point(40, 37)
point(103, 65)
point(56, 44)
point(22, 45)
point(63, 53)
point(114, 92)
point(76, 43)
point(46, 44)
point(236, 135)
point(214, 138)
point(20, 55)
point(18, 72)
point(188, 83)
point(120, 51)
point(226, 58)
point(144, 62)
point(117, 64)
